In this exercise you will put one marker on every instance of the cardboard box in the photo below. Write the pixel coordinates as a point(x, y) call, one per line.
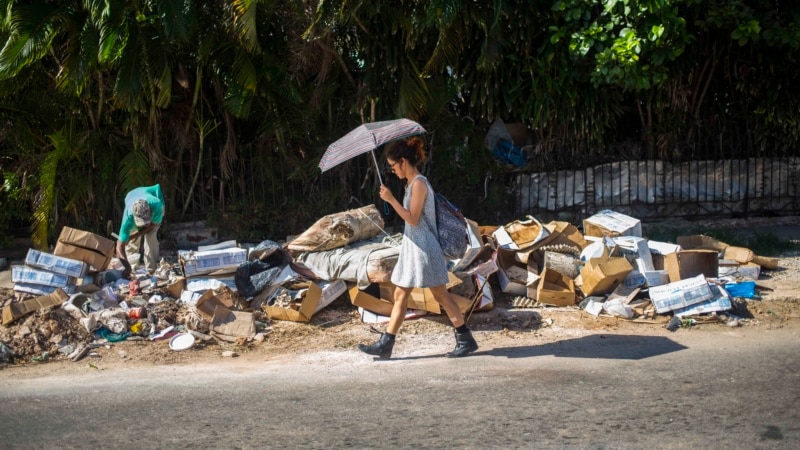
point(656, 277)
point(485, 263)
point(690, 263)
point(176, 288)
point(87, 240)
point(331, 290)
point(474, 248)
point(662, 248)
point(520, 234)
point(720, 301)
point(566, 233)
point(41, 289)
point(314, 296)
point(201, 263)
point(612, 224)
point(635, 248)
point(602, 275)
point(729, 268)
point(56, 264)
point(680, 294)
point(369, 302)
point(96, 260)
point(512, 274)
point(700, 241)
point(555, 289)
point(17, 310)
point(24, 274)
point(562, 263)
point(739, 254)
point(532, 283)
point(204, 282)
point(421, 299)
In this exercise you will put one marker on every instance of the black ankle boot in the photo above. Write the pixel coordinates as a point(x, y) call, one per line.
point(382, 348)
point(465, 344)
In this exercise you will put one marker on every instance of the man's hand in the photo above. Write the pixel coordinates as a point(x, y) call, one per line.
point(144, 230)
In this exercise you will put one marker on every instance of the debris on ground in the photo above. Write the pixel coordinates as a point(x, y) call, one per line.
point(74, 302)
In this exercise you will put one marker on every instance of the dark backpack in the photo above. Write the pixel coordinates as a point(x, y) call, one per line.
point(451, 227)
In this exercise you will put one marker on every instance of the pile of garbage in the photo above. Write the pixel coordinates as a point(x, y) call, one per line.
point(75, 298)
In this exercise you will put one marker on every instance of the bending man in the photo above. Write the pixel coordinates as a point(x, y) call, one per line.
point(144, 211)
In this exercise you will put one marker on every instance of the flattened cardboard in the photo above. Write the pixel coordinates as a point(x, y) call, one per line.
point(602, 275)
point(555, 289)
point(680, 294)
point(17, 310)
point(720, 301)
point(230, 325)
point(687, 264)
point(611, 223)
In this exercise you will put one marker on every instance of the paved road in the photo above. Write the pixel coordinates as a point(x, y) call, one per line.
point(732, 388)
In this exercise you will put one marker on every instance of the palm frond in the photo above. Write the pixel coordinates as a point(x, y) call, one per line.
point(173, 14)
point(244, 23)
point(134, 170)
point(31, 33)
point(44, 201)
point(413, 96)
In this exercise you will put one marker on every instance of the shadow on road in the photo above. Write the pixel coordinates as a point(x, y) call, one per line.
point(605, 346)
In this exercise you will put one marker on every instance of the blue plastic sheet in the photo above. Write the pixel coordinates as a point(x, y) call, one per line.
point(745, 289)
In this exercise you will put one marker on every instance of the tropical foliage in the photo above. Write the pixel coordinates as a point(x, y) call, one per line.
point(230, 103)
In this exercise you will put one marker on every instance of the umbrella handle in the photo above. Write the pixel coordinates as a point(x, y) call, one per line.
point(377, 169)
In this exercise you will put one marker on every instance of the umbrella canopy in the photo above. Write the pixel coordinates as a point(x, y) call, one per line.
point(366, 138)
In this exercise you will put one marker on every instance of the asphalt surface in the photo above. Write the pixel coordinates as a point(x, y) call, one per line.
point(727, 388)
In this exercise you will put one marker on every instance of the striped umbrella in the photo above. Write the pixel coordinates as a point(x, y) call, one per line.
point(366, 138)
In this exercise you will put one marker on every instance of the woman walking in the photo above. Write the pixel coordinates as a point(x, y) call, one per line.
point(421, 263)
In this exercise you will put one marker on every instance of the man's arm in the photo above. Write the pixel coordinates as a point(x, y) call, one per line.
point(122, 255)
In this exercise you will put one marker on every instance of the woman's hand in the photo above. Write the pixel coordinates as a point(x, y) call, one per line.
point(386, 194)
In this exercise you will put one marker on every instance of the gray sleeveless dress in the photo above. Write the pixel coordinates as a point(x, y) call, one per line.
point(421, 262)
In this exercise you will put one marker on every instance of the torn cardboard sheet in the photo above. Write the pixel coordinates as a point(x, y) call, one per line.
point(17, 310)
point(230, 325)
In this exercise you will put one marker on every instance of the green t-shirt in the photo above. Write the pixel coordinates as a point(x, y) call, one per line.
point(153, 196)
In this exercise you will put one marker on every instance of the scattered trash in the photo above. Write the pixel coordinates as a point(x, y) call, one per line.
point(230, 292)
